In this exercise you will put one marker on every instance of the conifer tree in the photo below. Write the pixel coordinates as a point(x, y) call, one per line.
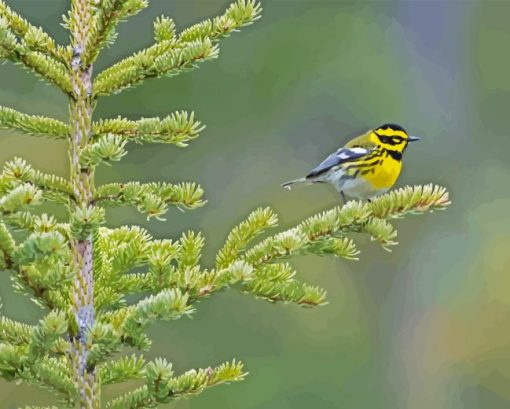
point(79, 271)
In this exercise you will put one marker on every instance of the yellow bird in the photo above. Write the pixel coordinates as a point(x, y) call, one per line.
point(366, 167)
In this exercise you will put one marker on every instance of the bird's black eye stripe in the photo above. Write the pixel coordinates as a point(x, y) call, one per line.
point(390, 140)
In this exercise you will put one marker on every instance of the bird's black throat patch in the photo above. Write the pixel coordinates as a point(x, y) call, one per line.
point(394, 154)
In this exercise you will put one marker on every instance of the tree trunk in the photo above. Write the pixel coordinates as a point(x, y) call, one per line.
point(80, 110)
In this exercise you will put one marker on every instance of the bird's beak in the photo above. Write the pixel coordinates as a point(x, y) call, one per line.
point(411, 138)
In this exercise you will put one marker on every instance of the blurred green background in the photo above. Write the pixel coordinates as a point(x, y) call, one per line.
point(426, 326)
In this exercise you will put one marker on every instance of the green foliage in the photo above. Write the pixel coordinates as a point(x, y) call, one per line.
point(7, 246)
point(241, 235)
point(20, 197)
point(190, 250)
point(177, 58)
point(104, 341)
point(18, 174)
point(85, 220)
point(31, 124)
point(169, 304)
point(121, 370)
point(15, 333)
point(164, 29)
point(136, 279)
point(22, 52)
point(239, 14)
point(107, 15)
point(51, 374)
point(178, 128)
point(40, 407)
point(108, 148)
point(163, 387)
point(170, 56)
point(39, 246)
point(276, 282)
point(34, 37)
point(45, 334)
point(151, 198)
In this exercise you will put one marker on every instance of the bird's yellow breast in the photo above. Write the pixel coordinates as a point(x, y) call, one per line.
point(384, 174)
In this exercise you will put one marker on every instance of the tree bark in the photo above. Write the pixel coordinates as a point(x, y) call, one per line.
point(80, 110)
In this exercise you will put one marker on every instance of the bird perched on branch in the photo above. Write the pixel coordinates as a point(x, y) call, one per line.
point(366, 167)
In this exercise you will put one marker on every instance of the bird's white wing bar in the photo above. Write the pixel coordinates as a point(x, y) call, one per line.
point(342, 155)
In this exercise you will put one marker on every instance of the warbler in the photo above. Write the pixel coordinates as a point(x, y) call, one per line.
point(366, 167)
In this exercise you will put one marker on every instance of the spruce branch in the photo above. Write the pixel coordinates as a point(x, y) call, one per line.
point(352, 217)
point(161, 257)
point(104, 341)
point(7, 247)
point(20, 220)
point(410, 199)
point(52, 374)
point(35, 38)
point(44, 223)
point(18, 172)
point(275, 282)
point(46, 333)
point(170, 56)
point(48, 372)
point(130, 322)
point(19, 198)
point(158, 374)
point(42, 265)
point(180, 58)
point(202, 283)
point(12, 359)
point(239, 14)
point(262, 273)
point(194, 381)
point(29, 222)
point(121, 249)
point(45, 280)
point(164, 29)
point(85, 220)
point(169, 304)
point(190, 246)
point(382, 231)
point(15, 333)
point(32, 124)
point(132, 283)
point(121, 370)
point(40, 407)
point(46, 68)
point(107, 148)
point(151, 198)
point(257, 222)
point(178, 128)
point(107, 14)
point(163, 387)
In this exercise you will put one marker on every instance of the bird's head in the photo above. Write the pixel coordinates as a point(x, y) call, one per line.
point(392, 137)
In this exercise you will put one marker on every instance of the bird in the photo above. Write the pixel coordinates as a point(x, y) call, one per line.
point(366, 166)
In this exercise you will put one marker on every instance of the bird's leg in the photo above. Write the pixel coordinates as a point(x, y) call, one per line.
point(343, 196)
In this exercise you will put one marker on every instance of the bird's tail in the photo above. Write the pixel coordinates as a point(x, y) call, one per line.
point(288, 185)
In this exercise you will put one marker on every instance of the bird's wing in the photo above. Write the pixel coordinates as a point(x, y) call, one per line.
point(342, 155)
